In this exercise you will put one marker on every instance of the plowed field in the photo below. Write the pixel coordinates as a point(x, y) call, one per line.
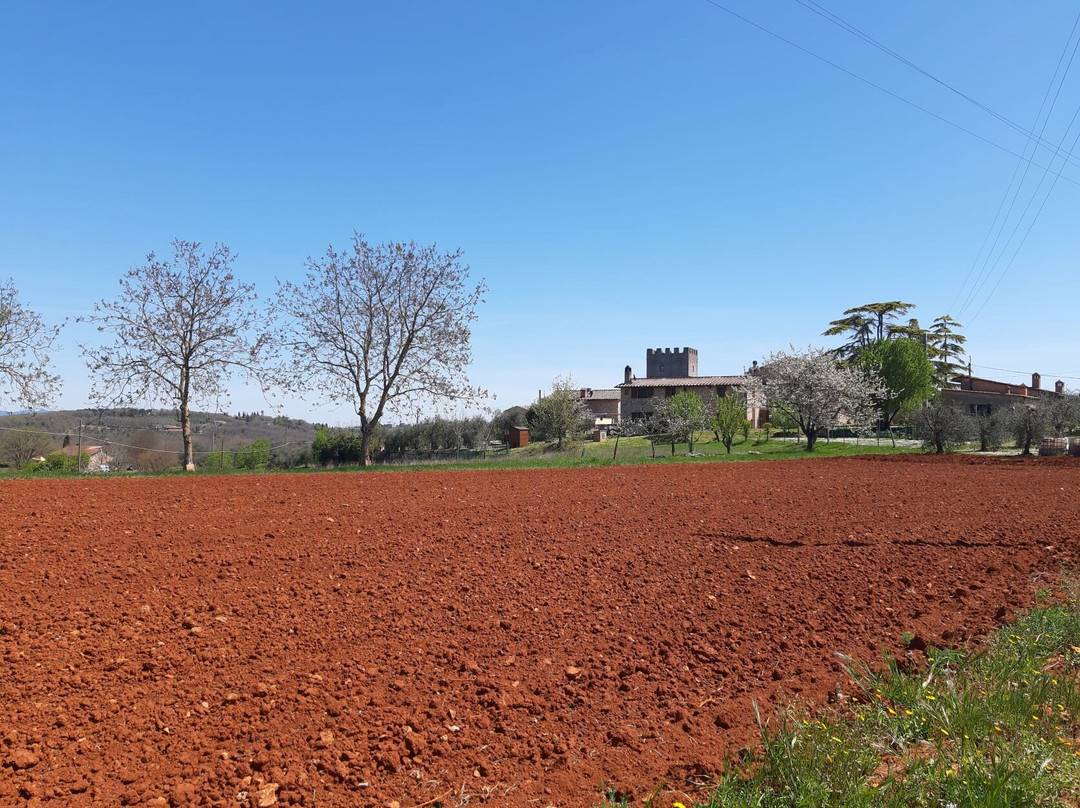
point(514, 638)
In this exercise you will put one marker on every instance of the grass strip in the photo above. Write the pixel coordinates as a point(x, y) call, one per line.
point(994, 727)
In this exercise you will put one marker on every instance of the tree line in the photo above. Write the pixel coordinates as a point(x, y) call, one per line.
point(377, 326)
point(888, 371)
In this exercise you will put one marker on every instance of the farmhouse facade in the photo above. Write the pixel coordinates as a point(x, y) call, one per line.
point(669, 371)
point(99, 459)
point(987, 397)
point(605, 405)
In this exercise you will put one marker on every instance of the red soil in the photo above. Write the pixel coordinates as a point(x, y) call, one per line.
point(515, 638)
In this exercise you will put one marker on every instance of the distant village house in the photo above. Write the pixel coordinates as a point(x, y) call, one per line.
point(986, 397)
point(99, 460)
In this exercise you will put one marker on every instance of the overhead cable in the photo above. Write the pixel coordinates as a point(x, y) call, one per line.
point(838, 21)
point(876, 86)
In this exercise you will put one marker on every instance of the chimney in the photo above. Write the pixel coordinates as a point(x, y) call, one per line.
point(1036, 380)
point(1059, 387)
point(626, 375)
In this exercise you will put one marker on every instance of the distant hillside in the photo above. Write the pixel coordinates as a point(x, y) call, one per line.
point(117, 426)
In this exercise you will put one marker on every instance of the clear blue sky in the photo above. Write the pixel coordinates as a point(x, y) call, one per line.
point(623, 174)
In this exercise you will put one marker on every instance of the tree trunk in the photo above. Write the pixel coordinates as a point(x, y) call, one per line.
point(365, 446)
point(811, 439)
point(185, 426)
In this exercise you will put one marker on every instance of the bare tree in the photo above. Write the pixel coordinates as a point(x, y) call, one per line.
point(181, 329)
point(18, 446)
point(380, 326)
point(147, 451)
point(25, 342)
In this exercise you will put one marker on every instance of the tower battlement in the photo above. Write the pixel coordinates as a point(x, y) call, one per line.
point(671, 362)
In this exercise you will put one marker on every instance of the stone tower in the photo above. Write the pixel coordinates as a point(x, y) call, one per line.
point(670, 363)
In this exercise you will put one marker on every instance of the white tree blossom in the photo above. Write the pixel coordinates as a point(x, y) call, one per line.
point(816, 392)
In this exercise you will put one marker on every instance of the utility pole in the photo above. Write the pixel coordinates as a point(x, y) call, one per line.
point(78, 460)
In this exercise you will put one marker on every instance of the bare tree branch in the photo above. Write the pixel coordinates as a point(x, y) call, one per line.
point(379, 326)
point(181, 329)
point(25, 343)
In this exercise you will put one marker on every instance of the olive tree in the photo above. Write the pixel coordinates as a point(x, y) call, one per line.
point(992, 429)
point(25, 343)
point(1030, 423)
point(815, 391)
point(379, 326)
point(1062, 412)
point(942, 427)
point(181, 328)
point(561, 415)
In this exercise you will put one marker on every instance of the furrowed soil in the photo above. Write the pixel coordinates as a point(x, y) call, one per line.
point(507, 638)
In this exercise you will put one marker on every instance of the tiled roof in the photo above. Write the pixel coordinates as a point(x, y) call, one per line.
point(605, 395)
point(686, 381)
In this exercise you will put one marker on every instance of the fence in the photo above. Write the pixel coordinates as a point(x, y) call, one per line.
point(444, 456)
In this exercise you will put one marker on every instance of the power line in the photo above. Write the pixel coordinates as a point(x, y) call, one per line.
point(1027, 232)
point(841, 23)
point(987, 270)
point(876, 86)
point(1026, 373)
point(1026, 167)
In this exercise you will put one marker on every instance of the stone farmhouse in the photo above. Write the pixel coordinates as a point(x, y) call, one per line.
point(668, 371)
point(99, 460)
point(604, 405)
point(986, 396)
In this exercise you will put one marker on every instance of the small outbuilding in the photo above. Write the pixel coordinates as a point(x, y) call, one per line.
point(517, 436)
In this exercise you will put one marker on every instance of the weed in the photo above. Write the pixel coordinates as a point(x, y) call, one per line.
point(997, 727)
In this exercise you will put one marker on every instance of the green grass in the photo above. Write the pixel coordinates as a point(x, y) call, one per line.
point(639, 450)
point(999, 727)
point(631, 451)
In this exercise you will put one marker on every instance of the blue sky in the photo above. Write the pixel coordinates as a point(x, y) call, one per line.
point(622, 174)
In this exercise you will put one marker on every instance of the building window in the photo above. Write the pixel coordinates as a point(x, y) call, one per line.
point(669, 392)
point(641, 392)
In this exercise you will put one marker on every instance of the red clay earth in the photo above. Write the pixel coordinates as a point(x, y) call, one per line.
point(509, 638)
